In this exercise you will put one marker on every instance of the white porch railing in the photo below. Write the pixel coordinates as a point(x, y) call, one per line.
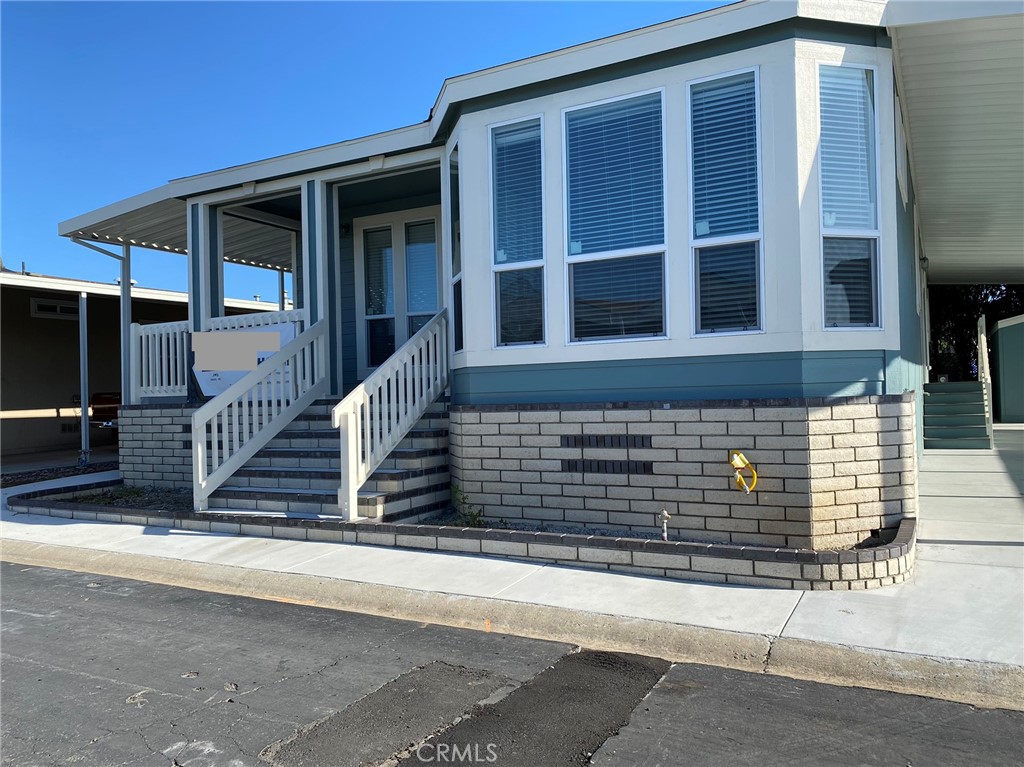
point(377, 414)
point(158, 360)
point(159, 355)
point(229, 429)
point(985, 374)
point(260, 320)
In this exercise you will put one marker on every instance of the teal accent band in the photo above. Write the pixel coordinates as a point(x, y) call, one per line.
point(733, 376)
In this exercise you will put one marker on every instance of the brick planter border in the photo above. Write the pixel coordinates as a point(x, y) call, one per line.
point(788, 568)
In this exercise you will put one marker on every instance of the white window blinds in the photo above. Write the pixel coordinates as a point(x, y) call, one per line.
point(724, 143)
point(379, 271)
point(848, 185)
point(617, 297)
point(517, 208)
point(727, 288)
point(615, 176)
point(421, 267)
point(851, 282)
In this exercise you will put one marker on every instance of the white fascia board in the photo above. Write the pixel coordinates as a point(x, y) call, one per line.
point(400, 140)
point(87, 221)
point(68, 285)
point(711, 24)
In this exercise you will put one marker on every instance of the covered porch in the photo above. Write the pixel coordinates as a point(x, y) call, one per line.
point(364, 340)
point(960, 163)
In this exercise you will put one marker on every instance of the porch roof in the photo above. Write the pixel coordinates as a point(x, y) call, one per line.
point(962, 97)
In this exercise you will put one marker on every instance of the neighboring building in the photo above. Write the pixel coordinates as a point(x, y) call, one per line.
point(39, 359)
point(1007, 354)
point(634, 255)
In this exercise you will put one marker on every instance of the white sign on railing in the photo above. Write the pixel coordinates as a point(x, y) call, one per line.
point(213, 381)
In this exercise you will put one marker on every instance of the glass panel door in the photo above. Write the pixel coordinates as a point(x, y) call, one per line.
point(398, 265)
point(379, 277)
point(420, 274)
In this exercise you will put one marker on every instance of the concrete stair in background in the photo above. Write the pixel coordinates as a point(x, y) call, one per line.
point(956, 416)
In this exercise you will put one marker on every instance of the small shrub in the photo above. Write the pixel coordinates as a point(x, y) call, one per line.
point(468, 514)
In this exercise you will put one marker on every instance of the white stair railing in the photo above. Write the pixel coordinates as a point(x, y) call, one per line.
point(379, 412)
point(985, 374)
point(158, 360)
point(232, 427)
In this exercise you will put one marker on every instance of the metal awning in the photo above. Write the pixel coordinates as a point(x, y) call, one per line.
point(962, 96)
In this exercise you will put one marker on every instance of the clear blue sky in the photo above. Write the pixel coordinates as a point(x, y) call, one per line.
point(101, 101)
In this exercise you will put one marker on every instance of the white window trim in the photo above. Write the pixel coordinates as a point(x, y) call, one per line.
point(876, 232)
point(396, 222)
point(451, 280)
point(540, 263)
point(34, 310)
point(696, 243)
point(647, 250)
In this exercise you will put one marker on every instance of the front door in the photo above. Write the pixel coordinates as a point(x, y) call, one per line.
point(398, 282)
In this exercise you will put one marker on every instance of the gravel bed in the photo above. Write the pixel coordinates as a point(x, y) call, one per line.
point(152, 498)
point(14, 478)
point(451, 519)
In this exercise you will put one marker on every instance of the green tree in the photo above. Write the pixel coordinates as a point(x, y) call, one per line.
point(954, 311)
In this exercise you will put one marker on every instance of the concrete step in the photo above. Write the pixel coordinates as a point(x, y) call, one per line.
point(958, 443)
point(953, 387)
point(955, 432)
point(954, 408)
point(374, 504)
point(330, 458)
point(952, 397)
point(932, 420)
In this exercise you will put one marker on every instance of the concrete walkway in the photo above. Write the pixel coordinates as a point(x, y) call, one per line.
point(955, 630)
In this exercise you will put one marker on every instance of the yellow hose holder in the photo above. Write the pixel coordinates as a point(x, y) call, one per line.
point(739, 462)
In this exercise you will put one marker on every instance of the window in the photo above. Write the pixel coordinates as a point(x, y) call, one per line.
point(420, 274)
point(615, 185)
point(378, 268)
point(518, 227)
point(617, 298)
point(455, 232)
point(727, 288)
point(851, 282)
point(726, 232)
point(53, 309)
point(849, 197)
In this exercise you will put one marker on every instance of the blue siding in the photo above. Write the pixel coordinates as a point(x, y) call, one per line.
point(195, 267)
point(215, 263)
point(311, 225)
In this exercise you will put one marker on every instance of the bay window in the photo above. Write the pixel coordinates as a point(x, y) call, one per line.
point(518, 232)
point(615, 188)
point(726, 226)
point(849, 197)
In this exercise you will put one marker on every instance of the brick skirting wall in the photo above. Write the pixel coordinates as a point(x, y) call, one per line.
point(154, 444)
point(832, 471)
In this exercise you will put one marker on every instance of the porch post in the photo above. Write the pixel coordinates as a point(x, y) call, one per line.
point(83, 374)
point(205, 266)
point(126, 325)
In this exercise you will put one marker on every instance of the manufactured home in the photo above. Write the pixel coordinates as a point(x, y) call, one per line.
point(590, 275)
